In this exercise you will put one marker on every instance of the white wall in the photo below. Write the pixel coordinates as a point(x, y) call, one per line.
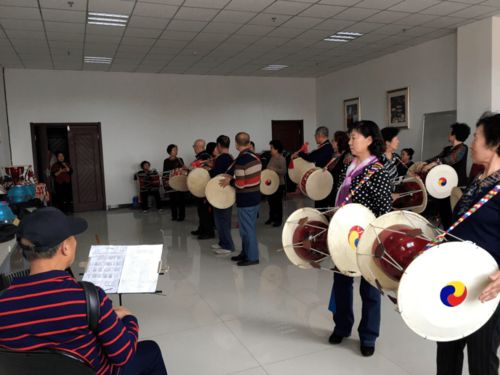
point(495, 78)
point(474, 70)
point(429, 69)
point(4, 130)
point(142, 113)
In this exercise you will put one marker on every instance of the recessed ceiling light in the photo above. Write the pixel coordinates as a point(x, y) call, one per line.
point(343, 36)
point(275, 67)
point(97, 60)
point(107, 19)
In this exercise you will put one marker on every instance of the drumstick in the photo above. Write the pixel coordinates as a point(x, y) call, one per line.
point(406, 193)
point(401, 162)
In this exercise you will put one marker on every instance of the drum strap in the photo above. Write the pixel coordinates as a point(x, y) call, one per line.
point(469, 212)
point(368, 174)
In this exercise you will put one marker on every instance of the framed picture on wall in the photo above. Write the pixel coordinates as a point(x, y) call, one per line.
point(398, 108)
point(352, 111)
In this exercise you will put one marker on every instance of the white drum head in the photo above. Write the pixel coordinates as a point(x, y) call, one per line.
point(218, 196)
point(299, 166)
point(369, 268)
point(179, 182)
point(438, 293)
point(441, 180)
point(197, 180)
point(289, 228)
point(269, 182)
point(318, 184)
point(344, 232)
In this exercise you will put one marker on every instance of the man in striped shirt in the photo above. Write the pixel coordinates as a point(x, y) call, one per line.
point(48, 308)
point(246, 171)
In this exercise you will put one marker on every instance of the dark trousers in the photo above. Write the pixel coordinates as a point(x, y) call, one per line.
point(206, 224)
point(144, 199)
point(444, 209)
point(482, 348)
point(369, 327)
point(276, 205)
point(63, 196)
point(223, 224)
point(178, 205)
point(147, 360)
point(322, 204)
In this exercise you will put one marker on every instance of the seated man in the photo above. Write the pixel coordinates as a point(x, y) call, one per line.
point(149, 184)
point(48, 308)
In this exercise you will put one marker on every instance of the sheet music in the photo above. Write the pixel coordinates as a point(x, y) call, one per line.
point(140, 270)
point(105, 267)
point(124, 269)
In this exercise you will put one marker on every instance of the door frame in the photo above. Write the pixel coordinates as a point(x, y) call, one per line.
point(45, 125)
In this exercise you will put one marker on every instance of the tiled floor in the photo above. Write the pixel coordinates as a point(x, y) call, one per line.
point(217, 318)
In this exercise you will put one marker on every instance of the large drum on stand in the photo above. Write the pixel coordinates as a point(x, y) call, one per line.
point(197, 181)
point(296, 169)
point(218, 196)
point(316, 183)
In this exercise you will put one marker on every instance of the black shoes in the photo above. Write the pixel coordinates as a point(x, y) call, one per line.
point(367, 351)
point(239, 258)
point(335, 339)
point(246, 262)
point(206, 236)
point(195, 232)
point(268, 222)
point(277, 225)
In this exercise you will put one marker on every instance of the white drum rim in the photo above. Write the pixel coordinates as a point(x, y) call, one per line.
point(299, 165)
point(311, 182)
point(434, 174)
point(289, 228)
point(447, 254)
point(342, 254)
point(213, 198)
point(194, 187)
point(421, 208)
point(369, 269)
point(269, 174)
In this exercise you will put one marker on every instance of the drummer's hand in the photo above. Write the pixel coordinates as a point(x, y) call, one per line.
point(493, 288)
point(295, 155)
point(225, 181)
point(394, 196)
point(428, 167)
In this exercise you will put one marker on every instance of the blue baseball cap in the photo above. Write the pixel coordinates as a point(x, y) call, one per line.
point(48, 227)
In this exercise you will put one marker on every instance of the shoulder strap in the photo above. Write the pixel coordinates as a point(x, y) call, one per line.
point(93, 304)
point(368, 174)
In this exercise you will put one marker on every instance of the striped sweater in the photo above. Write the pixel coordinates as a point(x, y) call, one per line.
point(246, 170)
point(48, 311)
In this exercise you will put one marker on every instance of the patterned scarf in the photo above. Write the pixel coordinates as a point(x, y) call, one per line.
point(354, 170)
point(475, 191)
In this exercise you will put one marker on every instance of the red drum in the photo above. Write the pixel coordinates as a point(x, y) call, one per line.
point(305, 236)
point(269, 182)
point(178, 179)
point(389, 244)
point(297, 167)
point(412, 195)
point(16, 173)
point(316, 183)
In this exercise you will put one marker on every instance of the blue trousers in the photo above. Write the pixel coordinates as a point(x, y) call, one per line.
point(247, 217)
point(147, 360)
point(222, 220)
point(369, 326)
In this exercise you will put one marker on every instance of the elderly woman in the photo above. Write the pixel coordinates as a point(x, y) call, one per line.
point(366, 182)
point(177, 198)
point(482, 228)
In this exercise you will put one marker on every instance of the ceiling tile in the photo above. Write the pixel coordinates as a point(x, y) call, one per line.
point(268, 19)
point(377, 4)
point(65, 27)
point(63, 15)
point(17, 24)
point(19, 12)
point(178, 35)
point(105, 30)
point(132, 41)
point(154, 10)
point(111, 6)
point(333, 25)
point(387, 17)
point(255, 30)
point(103, 39)
point(389, 29)
point(64, 36)
point(64, 4)
point(143, 33)
point(234, 16)
point(148, 22)
point(195, 14)
point(340, 2)
point(216, 4)
point(363, 27)
point(444, 22)
point(20, 3)
point(286, 7)
point(356, 14)
point(249, 5)
point(211, 37)
point(444, 8)
point(286, 32)
point(300, 22)
point(221, 27)
point(322, 11)
point(416, 19)
point(181, 25)
point(414, 6)
point(475, 11)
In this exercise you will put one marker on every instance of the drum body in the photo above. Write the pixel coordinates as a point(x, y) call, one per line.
point(316, 183)
point(297, 168)
point(269, 182)
point(438, 296)
point(304, 237)
point(218, 196)
point(197, 181)
point(413, 195)
point(178, 179)
point(344, 232)
point(389, 245)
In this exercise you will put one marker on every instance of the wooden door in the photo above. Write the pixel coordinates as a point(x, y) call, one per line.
point(86, 157)
point(290, 133)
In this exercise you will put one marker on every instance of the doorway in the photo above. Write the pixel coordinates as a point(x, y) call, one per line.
point(81, 144)
point(289, 132)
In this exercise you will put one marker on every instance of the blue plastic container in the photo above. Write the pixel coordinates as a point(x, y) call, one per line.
point(17, 194)
point(6, 214)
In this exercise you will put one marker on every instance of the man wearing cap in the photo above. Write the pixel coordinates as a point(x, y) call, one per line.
point(48, 308)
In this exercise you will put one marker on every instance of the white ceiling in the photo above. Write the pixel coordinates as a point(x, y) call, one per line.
point(223, 37)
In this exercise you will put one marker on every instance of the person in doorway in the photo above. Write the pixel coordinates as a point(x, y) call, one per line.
point(61, 171)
